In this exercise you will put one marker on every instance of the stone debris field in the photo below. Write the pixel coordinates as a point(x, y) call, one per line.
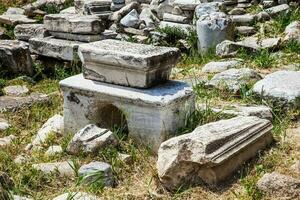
point(149, 99)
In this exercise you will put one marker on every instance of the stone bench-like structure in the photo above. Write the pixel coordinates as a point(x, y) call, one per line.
point(151, 115)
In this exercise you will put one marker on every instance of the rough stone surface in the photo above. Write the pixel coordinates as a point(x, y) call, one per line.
point(54, 48)
point(281, 86)
point(15, 56)
point(4, 124)
point(278, 9)
point(234, 79)
point(127, 159)
point(296, 167)
point(53, 150)
point(53, 125)
point(76, 196)
point(208, 8)
point(70, 10)
point(125, 63)
point(243, 20)
point(151, 114)
point(187, 4)
point(27, 31)
point(11, 104)
point(16, 197)
point(89, 173)
point(212, 152)
point(246, 30)
point(131, 19)
point(280, 186)
point(229, 48)
point(15, 90)
point(65, 168)
point(20, 159)
point(184, 27)
point(14, 20)
point(220, 66)
point(91, 139)
point(292, 31)
point(260, 111)
point(85, 38)
point(5, 141)
point(150, 19)
point(89, 24)
point(212, 29)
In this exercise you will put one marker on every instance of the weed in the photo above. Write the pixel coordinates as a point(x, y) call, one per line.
point(292, 46)
point(261, 59)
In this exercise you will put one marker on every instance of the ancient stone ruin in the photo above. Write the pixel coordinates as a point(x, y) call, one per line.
point(149, 99)
point(127, 84)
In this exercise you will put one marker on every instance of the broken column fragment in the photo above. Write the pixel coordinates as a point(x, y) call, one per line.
point(212, 152)
point(128, 64)
point(27, 31)
point(212, 29)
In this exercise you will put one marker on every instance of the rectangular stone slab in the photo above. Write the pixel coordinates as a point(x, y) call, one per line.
point(85, 38)
point(128, 64)
point(54, 48)
point(74, 23)
point(152, 115)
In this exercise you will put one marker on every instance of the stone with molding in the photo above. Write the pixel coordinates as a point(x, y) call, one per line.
point(212, 152)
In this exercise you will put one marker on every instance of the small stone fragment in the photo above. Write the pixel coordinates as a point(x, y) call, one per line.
point(220, 66)
point(292, 32)
point(234, 79)
point(91, 172)
point(14, 20)
point(280, 186)
point(5, 141)
point(53, 125)
point(20, 159)
point(91, 139)
point(4, 124)
point(76, 196)
point(16, 90)
point(65, 168)
point(131, 19)
point(53, 150)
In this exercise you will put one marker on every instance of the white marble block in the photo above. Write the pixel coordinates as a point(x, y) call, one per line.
point(128, 64)
point(151, 115)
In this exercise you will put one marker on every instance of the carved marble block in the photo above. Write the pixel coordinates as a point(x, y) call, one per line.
point(212, 152)
point(127, 64)
point(150, 115)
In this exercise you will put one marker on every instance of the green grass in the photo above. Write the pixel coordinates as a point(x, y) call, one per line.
point(292, 46)
point(261, 59)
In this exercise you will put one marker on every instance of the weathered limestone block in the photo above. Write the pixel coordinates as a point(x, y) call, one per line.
point(184, 27)
point(150, 19)
point(280, 86)
point(187, 4)
point(208, 8)
point(65, 168)
point(212, 29)
point(70, 10)
point(91, 139)
point(212, 152)
point(89, 173)
point(55, 48)
point(280, 186)
point(150, 115)
point(131, 19)
point(107, 34)
point(14, 11)
point(175, 18)
point(234, 79)
point(126, 63)
point(27, 31)
point(220, 66)
point(4, 124)
point(53, 125)
point(229, 48)
point(118, 15)
point(15, 56)
point(11, 104)
point(74, 24)
point(15, 90)
point(292, 32)
point(53, 150)
point(243, 20)
point(93, 7)
point(15, 19)
point(278, 9)
point(246, 30)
